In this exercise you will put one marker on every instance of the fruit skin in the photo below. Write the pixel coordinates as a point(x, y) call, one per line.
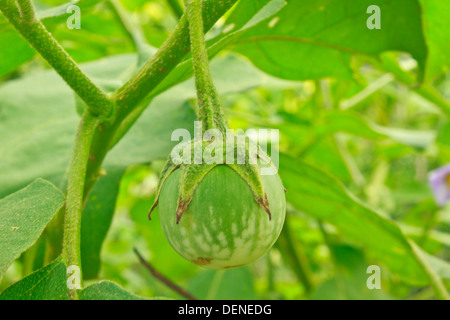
point(223, 226)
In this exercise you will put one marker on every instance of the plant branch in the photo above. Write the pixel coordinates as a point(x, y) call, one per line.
point(165, 59)
point(75, 191)
point(130, 96)
point(210, 109)
point(43, 42)
point(163, 279)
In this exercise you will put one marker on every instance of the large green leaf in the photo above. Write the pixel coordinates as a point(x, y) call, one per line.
point(233, 284)
point(321, 196)
point(314, 39)
point(39, 122)
point(48, 283)
point(15, 50)
point(23, 217)
point(436, 25)
point(97, 217)
point(107, 290)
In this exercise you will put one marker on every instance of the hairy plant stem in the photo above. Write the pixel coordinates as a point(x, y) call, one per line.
point(210, 109)
point(75, 192)
point(130, 96)
point(43, 42)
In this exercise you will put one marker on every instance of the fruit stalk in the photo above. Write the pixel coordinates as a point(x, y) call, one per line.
point(210, 109)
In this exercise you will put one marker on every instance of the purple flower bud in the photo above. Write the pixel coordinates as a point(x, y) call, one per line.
point(439, 180)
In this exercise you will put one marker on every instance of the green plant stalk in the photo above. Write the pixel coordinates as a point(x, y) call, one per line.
point(210, 109)
point(130, 96)
point(75, 192)
point(46, 45)
point(26, 11)
point(165, 60)
point(436, 282)
point(176, 7)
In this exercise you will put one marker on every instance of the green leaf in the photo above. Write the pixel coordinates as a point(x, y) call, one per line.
point(107, 290)
point(315, 39)
point(436, 25)
point(236, 284)
point(15, 50)
point(48, 283)
point(97, 217)
point(23, 217)
point(323, 197)
point(44, 107)
point(350, 281)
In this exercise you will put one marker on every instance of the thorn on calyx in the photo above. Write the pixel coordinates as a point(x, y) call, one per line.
point(151, 210)
point(181, 208)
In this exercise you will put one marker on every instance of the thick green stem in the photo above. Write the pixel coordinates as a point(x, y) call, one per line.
point(43, 42)
point(165, 60)
point(75, 191)
point(130, 96)
point(210, 109)
point(26, 11)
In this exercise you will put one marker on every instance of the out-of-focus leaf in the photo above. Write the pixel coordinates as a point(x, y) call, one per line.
point(314, 39)
point(349, 282)
point(235, 284)
point(38, 125)
point(323, 197)
point(97, 217)
point(57, 11)
point(444, 135)
point(436, 25)
point(107, 290)
point(23, 217)
point(15, 50)
point(48, 283)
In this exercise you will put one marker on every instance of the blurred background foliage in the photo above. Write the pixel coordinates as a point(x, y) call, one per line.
point(378, 137)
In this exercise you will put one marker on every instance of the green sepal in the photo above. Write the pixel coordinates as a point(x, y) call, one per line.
point(192, 174)
point(169, 167)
